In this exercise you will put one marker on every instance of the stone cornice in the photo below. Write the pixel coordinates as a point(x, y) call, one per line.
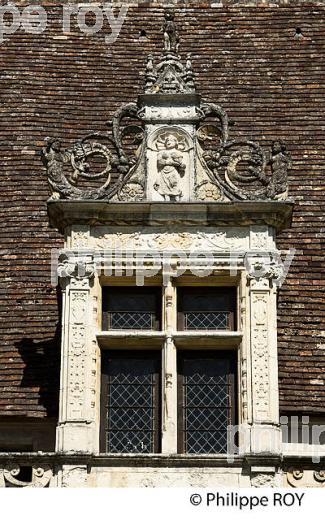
point(63, 214)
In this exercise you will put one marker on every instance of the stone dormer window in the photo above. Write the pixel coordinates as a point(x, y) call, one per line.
point(163, 353)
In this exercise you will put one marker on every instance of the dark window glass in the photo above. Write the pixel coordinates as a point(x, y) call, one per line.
point(206, 401)
point(131, 308)
point(130, 402)
point(208, 308)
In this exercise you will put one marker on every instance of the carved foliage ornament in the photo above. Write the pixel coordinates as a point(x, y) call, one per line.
point(263, 480)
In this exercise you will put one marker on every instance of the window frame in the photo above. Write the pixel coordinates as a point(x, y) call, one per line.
point(224, 341)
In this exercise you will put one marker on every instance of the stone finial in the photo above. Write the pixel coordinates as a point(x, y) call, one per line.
point(170, 75)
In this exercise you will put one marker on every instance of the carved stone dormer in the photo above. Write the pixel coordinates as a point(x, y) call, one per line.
point(170, 146)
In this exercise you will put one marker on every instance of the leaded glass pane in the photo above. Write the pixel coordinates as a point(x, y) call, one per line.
point(132, 308)
point(208, 308)
point(132, 402)
point(206, 401)
point(131, 320)
point(207, 320)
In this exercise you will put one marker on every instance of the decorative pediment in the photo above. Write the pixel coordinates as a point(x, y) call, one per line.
point(170, 146)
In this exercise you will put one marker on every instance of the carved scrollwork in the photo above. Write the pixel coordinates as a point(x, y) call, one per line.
point(212, 168)
point(304, 478)
point(66, 168)
point(65, 185)
point(130, 110)
point(41, 475)
point(320, 476)
point(240, 168)
point(206, 131)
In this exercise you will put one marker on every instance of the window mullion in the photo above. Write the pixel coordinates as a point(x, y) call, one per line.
point(169, 379)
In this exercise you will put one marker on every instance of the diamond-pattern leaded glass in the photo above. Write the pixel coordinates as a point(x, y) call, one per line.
point(132, 308)
point(131, 320)
point(206, 390)
point(131, 411)
point(206, 320)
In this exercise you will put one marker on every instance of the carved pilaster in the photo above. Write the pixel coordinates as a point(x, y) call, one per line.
point(76, 418)
point(263, 346)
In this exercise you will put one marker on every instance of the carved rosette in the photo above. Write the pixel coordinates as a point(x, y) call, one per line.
point(41, 476)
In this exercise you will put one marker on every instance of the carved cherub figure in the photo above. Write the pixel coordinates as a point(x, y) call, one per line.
point(171, 169)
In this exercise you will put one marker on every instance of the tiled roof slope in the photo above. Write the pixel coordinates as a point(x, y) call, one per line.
point(66, 85)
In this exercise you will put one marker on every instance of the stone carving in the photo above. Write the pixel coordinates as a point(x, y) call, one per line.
point(320, 476)
point(171, 38)
point(131, 192)
point(77, 355)
point(263, 480)
point(259, 237)
point(264, 268)
point(65, 185)
point(306, 478)
point(206, 191)
point(202, 239)
point(260, 364)
point(170, 76)
point(220, 170)
point(75, 267)
point(80, 237)
point(280, 164)
point(171, 169)
point(41, 476)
